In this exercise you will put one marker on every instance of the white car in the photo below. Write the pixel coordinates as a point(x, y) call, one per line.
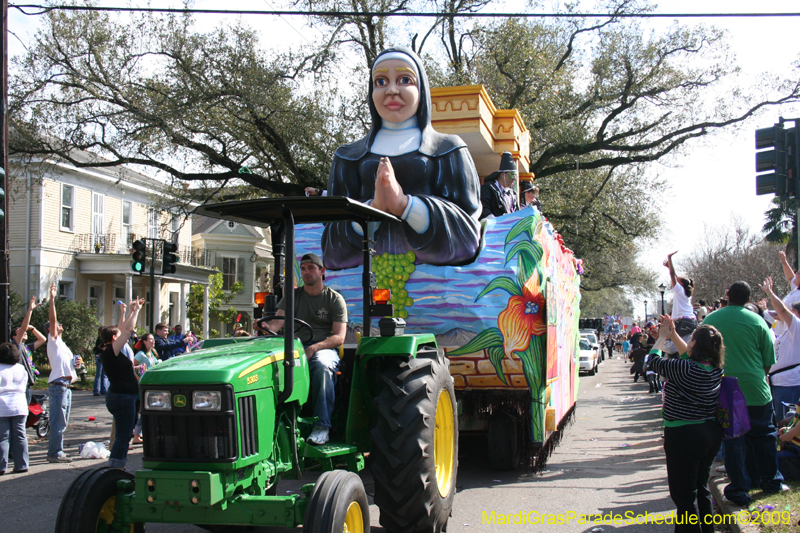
point(592, 338)
point(588, 359)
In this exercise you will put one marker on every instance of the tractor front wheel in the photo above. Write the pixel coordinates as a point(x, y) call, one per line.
point(415, 443)
point(89, 504)
point(337, 504)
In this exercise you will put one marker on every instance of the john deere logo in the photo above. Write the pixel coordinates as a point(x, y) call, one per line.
point(180, 400)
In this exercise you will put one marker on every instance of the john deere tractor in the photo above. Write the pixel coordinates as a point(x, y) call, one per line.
point(224, 425)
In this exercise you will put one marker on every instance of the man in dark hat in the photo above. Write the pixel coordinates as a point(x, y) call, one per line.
point(497, 192)
point(325, 311)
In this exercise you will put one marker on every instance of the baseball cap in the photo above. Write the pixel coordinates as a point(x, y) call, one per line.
point(312, 258)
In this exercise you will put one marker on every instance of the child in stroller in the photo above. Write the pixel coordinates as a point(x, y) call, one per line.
point(38, 414)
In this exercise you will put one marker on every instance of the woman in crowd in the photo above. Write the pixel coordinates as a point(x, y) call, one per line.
point(13, 409)
point(692, 434)
point(123, 390)
point(146, 357)
point(784, 376)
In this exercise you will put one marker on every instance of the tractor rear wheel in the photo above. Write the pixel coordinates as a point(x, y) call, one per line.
point(415, 443)
point(89, 504)
point(338, 503)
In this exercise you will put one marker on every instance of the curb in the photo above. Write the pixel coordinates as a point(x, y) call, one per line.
point(716, 484)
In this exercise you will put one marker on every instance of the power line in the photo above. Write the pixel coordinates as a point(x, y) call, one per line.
point(45, 8)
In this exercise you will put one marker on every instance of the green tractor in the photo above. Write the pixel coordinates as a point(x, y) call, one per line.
point(223, 426)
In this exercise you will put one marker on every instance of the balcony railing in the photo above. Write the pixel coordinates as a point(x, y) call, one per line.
point(112, 243)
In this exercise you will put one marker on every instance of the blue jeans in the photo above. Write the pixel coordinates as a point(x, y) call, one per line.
point(752, 459)
point(789, 395)
point(322, 366)
point(12, 433)
point(99, 378)
point(123, 408)
point(60, 404)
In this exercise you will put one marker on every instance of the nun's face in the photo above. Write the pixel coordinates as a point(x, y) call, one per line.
point(395, 90)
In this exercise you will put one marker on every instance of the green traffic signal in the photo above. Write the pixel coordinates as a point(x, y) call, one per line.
point(139, 254)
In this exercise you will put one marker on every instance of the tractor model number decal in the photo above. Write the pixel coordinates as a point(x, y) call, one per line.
point(252, 379)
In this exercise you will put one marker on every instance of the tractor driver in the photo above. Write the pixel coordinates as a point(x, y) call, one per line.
point(326, 312)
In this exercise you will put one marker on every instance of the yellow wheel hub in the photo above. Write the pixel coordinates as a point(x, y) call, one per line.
point(107, 511)
point(354, 519)
point(444, 443)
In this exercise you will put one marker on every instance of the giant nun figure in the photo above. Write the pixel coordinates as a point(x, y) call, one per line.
point(404, 167)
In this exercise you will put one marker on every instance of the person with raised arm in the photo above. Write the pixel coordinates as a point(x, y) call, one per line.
point(682, 309)
point(19, 337)
point(784, 375)
point(123, 390)
point(62, 375)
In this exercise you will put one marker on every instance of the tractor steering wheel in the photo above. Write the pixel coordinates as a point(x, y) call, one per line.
point(302, 329)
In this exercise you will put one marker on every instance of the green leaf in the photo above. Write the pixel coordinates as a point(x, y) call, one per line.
point(526, 225)
point(483, 340)
point(496, 354)
point(529, 251)
point(503, 282)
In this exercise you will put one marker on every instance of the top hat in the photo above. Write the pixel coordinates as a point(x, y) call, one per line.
point(507, 163)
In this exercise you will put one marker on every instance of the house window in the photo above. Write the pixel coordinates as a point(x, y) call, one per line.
point(175, 226)
point(228, 273)
point(127, 223)
point(97, 300)
point(152, 223)
point(65, 290)
point(67, 206)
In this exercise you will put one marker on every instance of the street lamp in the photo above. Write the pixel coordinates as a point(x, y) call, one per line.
point(645, 311)
point(662, 288)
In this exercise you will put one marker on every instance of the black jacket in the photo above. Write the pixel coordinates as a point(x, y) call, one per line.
point(492, 201)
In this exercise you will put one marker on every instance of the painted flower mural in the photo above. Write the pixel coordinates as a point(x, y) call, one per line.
point(521, 327)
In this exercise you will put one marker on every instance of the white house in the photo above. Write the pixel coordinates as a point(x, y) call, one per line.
point(75, 226)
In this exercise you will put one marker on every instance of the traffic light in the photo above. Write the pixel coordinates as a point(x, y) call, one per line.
point(793, 161)
point(139, 254)
point(773, 159)
point(169, 258)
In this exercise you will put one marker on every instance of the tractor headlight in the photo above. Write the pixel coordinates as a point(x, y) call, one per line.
point(156, 400)
point(206, 400)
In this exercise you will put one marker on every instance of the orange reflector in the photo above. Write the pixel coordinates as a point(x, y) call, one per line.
point(260, 298)
point(381, 296)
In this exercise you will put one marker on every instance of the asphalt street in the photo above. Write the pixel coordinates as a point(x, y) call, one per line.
point(610, 461)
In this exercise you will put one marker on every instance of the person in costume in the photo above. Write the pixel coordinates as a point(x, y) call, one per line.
point(403, 167)
point(497, 192)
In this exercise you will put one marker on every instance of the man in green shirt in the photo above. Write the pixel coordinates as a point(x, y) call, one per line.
point(750, 460)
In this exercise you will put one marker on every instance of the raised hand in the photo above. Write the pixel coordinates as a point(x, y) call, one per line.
point(782, 256)
point(33, 305)
point(53, 291)
point(767, 285)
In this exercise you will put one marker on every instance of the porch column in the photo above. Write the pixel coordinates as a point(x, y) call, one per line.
point(128, 288)
point(157, 301)
point(205, 311)
point(182, 308)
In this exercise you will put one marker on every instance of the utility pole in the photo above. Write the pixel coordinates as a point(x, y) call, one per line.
point(5, 304)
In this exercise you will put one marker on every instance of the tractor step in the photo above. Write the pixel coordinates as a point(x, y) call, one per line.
point(325, 454)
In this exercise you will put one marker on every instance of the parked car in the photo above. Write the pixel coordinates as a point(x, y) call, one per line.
point(591, 336)
point(588, 358)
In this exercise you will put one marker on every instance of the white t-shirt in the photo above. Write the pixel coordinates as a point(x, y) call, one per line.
point(787, 353)
point(61, 360)
point(702, 311)
point(788, 300)
point(13, 382)
point(681, 304)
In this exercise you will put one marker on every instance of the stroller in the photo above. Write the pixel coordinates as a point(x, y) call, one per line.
point(38, 415)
